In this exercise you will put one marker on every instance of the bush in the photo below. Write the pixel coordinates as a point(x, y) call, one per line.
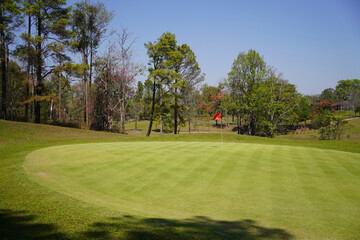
point(334, 130)
point(357, 109)
point(322, 115)
point(322, 119)
point(73, 124)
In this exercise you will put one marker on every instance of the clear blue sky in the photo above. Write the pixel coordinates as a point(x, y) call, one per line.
point(315, 43)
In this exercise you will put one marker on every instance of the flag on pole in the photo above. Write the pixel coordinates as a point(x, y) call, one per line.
point(217, 116)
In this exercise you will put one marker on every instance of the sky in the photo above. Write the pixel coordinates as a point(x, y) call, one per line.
point(314, 43)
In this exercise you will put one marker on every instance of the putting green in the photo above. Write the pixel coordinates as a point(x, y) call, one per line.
point(312, 193)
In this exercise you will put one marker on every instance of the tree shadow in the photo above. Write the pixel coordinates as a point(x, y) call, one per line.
point(199, 227)
point(21, 225)
point(18, 225)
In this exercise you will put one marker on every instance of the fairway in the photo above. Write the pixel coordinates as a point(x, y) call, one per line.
point(311, 193)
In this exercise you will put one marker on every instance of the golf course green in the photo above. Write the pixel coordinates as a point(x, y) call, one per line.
point(307, 191)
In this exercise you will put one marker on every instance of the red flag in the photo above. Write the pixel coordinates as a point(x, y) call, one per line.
point(217, 116)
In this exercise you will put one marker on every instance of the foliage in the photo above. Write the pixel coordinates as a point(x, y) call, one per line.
point(274, 102)
point(334, 130)
point(113, 85)
point(328, 94)
point(248, 71)
point(69, 124)
point(265, 99)
point(322, 114)
point(15, 91)
point(89, 23)
point(171, 67)
point(211, 99)
point(10, 19)
point(357, 109)
point(303, 109)
point(52, 21)
point(349, 90)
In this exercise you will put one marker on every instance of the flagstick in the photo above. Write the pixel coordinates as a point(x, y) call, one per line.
point(222, 141)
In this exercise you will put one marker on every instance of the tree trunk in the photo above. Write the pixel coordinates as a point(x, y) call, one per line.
point(122, 115)
point(253, 126)
point(175, 111)
point(161, 125)
point(136, 120)
point(51, 109)
point(189, 125)
point(152, 110)
point(89, 85)
point(59, 106)
point(84, 59)
point(122, 112)
point(3, 75)
point(28, 71)
point(39, 83)
point(238, 123)
point(109, 120)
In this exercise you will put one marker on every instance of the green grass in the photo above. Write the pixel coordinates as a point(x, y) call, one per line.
point(345, 114)
point(283, 187)
point(253, 191)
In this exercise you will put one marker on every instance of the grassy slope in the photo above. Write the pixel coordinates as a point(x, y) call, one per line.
point(31, 211)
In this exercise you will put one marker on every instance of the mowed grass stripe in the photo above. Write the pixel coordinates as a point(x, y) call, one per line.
point(153, 183)
point(325, 163)
point(331, 190)
point(341, 180)
point(290, 187)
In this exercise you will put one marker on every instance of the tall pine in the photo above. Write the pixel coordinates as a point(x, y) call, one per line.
point(10, 19)
point(51, 21)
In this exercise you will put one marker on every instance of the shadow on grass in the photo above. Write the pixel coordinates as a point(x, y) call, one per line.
point(195, 228)
point(21, 225)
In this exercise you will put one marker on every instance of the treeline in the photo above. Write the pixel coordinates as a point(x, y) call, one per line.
point(42, 83)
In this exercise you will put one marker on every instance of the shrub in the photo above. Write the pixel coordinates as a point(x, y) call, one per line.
point(357, 109)
point(72, 124)
point(323, 114)
point(334, 130)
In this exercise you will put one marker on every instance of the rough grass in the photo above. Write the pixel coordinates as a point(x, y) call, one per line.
point(31, 211)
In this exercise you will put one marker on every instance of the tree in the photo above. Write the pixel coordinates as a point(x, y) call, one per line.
point(114, 85)
point(190, 74)
point(26, 52)
point(138, 101)
point(60, 58)
point(15, 91)
point(274, 102)
point(89, 22)
point(51, 22)
point(303, 110)
point(247, 72)
point(211, 99)
point(191, 99)
point(171, 68)
point(128, 71)
point(328, 94)
point(264, 98)
point(349, 90)
point(10, 19)
point(161, 73)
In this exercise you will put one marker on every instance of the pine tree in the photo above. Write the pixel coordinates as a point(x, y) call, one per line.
point(10, 19)
point(51, 22)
